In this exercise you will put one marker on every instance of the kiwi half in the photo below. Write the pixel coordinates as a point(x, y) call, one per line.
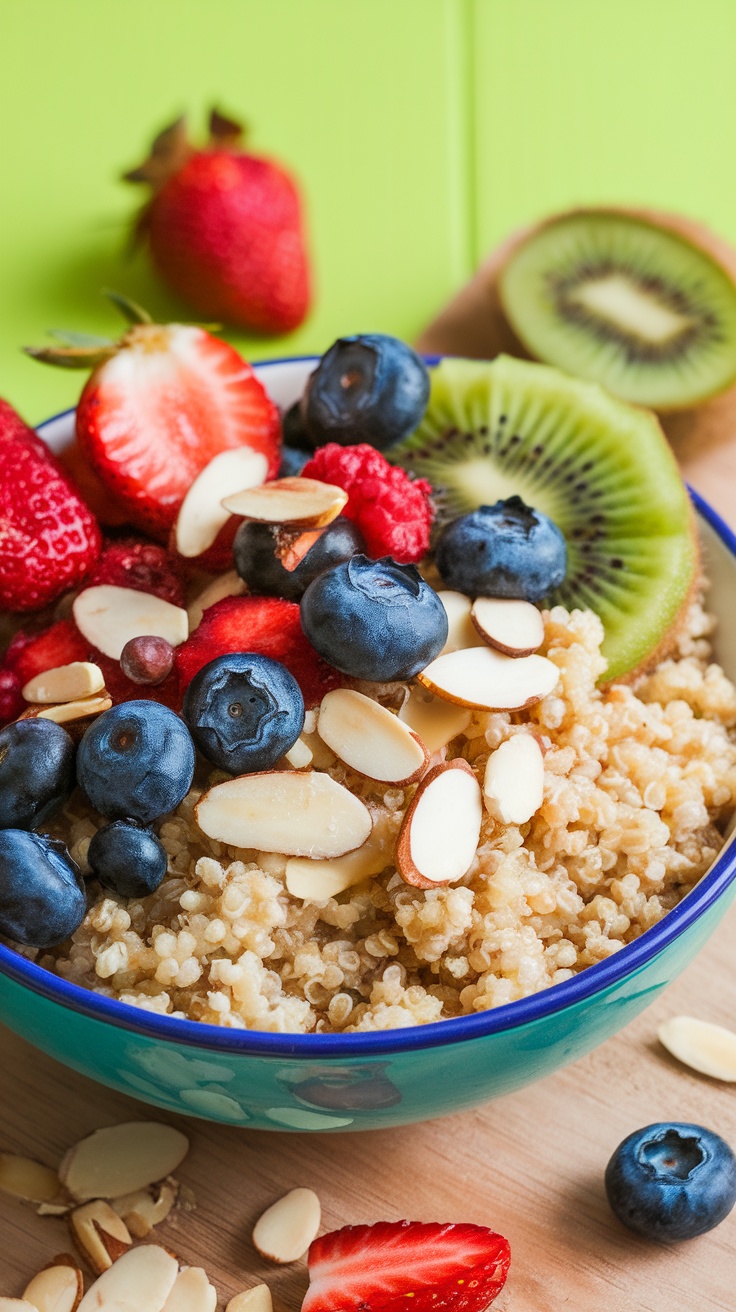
point(601, 469)
point(612, 296)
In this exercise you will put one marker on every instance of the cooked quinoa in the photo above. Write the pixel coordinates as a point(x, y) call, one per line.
point(639, 784)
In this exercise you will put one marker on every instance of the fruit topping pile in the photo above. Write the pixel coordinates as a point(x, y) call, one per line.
point(268, 594)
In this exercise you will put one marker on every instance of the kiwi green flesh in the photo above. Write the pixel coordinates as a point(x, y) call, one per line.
point(601, 469)
point(637, 307)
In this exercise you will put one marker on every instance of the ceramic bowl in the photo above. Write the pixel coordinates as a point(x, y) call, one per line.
point(366, 1081)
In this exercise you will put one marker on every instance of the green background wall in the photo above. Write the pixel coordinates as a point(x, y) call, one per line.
point(423, 130)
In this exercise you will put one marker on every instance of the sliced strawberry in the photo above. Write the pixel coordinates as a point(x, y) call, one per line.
point(153, 415)
point(406, 1266)
point(218, 558)
point(122, 689)
point(144, 566)
point(266, 625)
point(90, 488)
point(32, 654)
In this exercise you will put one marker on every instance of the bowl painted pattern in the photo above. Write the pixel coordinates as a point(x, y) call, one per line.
point(366, 1081)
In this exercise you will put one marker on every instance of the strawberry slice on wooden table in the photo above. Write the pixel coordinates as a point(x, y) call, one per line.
point(406, 1266)
point(159, 405)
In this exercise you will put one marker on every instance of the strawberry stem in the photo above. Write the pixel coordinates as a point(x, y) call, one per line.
point(130, 310)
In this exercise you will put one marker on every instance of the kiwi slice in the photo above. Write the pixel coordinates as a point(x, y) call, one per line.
point(601, 469)
point(628, 302)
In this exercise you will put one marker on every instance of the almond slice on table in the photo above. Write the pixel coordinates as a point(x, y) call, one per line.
point(370, 739)
point(257, 1299)
point(485, 679)
point(191, 1292)
point(65, 683)
point(99, 1233)
point(120, 1159)
point(296, 813)
point(707, 1048)
point(513, 787)
point(303, 502)
point(286, 1229)
point(58, 1288)
point(514, 627)
point(435, 721)
point(108, 617)
point(227, 585)
point(141, 1211)
point(461, 632)
point(439, 835)
point(68, 712)
point(202, 515)
point(29, 1180)
point(140, 1281)
point(317, 881)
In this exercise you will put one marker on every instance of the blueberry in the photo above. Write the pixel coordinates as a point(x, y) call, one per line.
point(506, 550)
point(374, 619)
point(294, 433)
point(42, 897)
point(292, 462)
point(245, 711)
point(256, 552)
point(127, 859)
point(671, 1181)
point(371, 388)
point(36, 772)
point(136, 762)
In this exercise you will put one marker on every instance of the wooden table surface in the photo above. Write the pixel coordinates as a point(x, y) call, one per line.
point(530, 1165)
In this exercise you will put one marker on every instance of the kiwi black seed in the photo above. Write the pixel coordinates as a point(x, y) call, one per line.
point(601, 469)
point(626, 301)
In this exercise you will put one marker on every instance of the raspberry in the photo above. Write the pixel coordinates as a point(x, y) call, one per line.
point(143, 566)
point(393, 512)
point(11, 701)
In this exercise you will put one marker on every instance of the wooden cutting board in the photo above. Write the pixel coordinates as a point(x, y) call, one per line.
point(530, 1165)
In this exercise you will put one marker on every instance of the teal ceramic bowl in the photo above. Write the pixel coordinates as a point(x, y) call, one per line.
point(365, 1081)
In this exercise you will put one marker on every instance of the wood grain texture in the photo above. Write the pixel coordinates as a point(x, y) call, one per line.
point(530, 1165)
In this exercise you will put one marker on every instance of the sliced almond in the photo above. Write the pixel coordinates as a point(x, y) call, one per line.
point(108, 617)
point(140, 1281)
point(68, 712)
point(202, 514)
point(119, 1159)
point(514, 627)
point(370, 739)
point(257, 1299)
point(485, 679)
point(513, 787)
point(435, 721)
point(302, 502)
point(227, 585)
point(54, 1209)
point(317, 881)
point(439, 835)
point(288, 1227)
point(29, 1180)
point(300, 755)
point(99, 1233)
point(296, 813)
point(58, 1288)
point(191, 1292)
point(461, 632)
point(16, 1305)
point(65, 683)
point(143, 1209)
point(705, 1047)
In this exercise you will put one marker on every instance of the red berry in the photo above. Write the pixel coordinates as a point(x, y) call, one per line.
point(268, 626)
point(406, 1266)
point(147, 660)
point(143, 566)
point(122, 689)
point(32, 654)
point(225, 230)
point(11, 699)
point(393, 512)
point(48, 536)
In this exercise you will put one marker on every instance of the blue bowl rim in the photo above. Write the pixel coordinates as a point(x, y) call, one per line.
point(267, 1044)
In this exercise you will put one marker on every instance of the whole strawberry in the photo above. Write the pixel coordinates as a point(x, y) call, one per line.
point(49, 540)
point(225, 229)
point(159, 405)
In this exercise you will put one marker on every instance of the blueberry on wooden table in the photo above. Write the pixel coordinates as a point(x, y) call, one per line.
point(671, 1181)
